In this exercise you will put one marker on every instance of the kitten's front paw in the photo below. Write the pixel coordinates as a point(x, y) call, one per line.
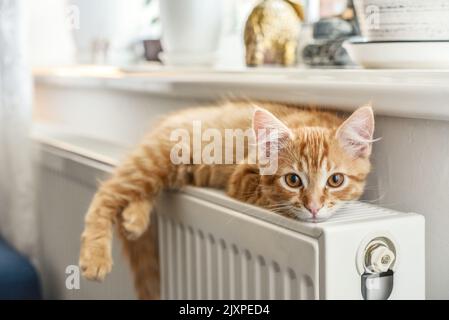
point(136, 218)
point(95, 262)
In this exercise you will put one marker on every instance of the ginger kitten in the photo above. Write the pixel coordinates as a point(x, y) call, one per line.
point(321, 162)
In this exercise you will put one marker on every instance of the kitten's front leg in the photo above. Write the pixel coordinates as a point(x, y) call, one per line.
point(95, 253)
point(127, 198)
point(113, 203)
point(244, 184)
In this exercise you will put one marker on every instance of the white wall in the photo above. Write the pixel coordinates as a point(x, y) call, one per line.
point(411, 173)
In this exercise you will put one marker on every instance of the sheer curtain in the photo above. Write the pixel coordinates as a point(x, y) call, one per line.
point(17, 221)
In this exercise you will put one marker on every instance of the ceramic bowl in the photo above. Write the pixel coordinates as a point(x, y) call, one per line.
point(398, 20)
point(400, 54)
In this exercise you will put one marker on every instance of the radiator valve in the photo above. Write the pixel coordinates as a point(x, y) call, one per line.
point(377, 279)
point(379, 258)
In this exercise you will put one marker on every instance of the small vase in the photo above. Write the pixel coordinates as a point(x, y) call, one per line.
point(191, 31)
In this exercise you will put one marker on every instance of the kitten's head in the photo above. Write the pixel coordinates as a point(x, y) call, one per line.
point(318, 168)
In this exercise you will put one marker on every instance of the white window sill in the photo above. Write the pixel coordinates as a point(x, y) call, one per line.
point(405, 93)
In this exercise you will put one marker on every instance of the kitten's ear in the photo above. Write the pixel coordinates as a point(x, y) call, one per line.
point(267, 128)
point(356, 133)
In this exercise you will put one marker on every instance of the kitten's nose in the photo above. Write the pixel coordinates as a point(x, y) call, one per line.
point(313, 208)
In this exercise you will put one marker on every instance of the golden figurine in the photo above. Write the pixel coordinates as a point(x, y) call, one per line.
point(271, 33)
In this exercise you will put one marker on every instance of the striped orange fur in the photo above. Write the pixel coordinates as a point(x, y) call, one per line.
point(318, 148)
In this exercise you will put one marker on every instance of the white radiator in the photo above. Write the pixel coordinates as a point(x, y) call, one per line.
point(213, 247)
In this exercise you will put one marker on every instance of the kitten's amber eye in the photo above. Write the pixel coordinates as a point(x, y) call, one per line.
point(335, 180)
point(293, 180)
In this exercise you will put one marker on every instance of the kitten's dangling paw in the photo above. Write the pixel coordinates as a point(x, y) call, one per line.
point(136, 218)
point(95, 262)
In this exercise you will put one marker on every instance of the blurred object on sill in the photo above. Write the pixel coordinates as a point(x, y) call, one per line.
point(326, 53)
point(152, 41)
point(331, 8)
point(401, 34)
point(152, 49)
point(191, 28)
point(399, 20)
point(399, 54)
point(99, 50)
point(329, 33)
point(231, 52)
point(271, 33)
point(104, 30)
point(187, 60)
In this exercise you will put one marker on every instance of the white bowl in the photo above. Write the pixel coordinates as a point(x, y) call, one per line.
point(400, 55)
point(395, 20)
